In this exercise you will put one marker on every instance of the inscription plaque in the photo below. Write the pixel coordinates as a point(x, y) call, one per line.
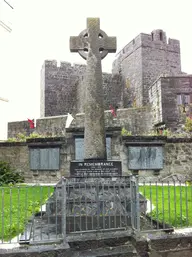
point(97, 168)
point(145, 157)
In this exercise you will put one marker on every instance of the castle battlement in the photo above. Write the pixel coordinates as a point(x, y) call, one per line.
point(157, 39)
point(141, 62)
point(62, 88)
point(50, 64)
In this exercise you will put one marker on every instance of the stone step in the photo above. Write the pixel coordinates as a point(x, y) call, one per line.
point(118, 251)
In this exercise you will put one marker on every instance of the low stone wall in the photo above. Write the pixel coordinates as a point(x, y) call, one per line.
point(177, 157)
point(14, 128)
point(136, 120)
point(177, 163)
point(163, 245)
point(17, 154)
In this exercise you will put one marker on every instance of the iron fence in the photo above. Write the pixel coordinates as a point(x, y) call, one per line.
point(39, 214)
point(165, 205)
point(96, 205)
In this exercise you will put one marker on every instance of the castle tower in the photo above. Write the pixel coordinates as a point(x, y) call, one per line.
point(59, 87)
point(143, 60)
point(62, 89)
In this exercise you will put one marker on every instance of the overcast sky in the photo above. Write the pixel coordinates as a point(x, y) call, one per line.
point(41, 30)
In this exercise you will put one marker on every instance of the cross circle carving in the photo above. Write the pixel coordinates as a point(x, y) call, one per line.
point(102, 35)
point(93, 38)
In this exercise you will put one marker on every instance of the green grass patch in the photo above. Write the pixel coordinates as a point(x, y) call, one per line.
point(173, 204)
point(17, 204)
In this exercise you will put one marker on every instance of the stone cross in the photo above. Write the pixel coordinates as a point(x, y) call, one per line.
point(93, 45)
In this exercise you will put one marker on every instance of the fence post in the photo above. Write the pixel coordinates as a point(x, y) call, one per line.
point(132, 200)
point(64, 209)
point(137, 204)
point(97, 203)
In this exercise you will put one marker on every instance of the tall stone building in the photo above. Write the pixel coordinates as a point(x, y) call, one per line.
point(62, 88)
point(144, 59)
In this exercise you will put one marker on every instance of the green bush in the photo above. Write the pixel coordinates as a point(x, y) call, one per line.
point(188, 124)
point(125, 132)
point(23, 137)
point(8, 175)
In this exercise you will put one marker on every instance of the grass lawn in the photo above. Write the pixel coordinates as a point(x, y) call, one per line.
point(17, 204)
point(173, 204)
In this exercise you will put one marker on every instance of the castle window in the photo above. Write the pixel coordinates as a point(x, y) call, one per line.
point(183, 99)
point(79, 148)
point(44, 158)
point(179, 99)
point(161, 36)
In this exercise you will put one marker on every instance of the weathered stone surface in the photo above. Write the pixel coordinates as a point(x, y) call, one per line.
point(93, 203)
point(177, 159)
point(166, 246)
point(143, 60)
point(93, 45)
point(137, 66)
point(129, 118)
point(62, 89)
point(163, 97)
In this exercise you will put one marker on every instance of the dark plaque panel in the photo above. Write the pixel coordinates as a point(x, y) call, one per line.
point(95, 169)
point(145, 158)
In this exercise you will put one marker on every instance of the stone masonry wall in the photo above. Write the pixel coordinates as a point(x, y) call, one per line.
point(177, 158)
point(137, 67)
point(62, 89)
point(155, 100)
point(112, 90)
point(129, 118)
point(163, 99)
point(144, 59)
point(14, 128)
point(158, 57)
point(129, 66)
point(171, 87)
point(17, 154)
point(136, 120)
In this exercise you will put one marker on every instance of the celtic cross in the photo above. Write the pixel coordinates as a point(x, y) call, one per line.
point(93, 45)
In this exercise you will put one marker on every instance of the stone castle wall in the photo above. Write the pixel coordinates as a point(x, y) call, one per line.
point(62, 89)
point(129, 66)
point(144, 59)
point(16, 127)
point(155, 99)
point(129, 118)
point(163, 98)
point(171, 87)
point(137, 66)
